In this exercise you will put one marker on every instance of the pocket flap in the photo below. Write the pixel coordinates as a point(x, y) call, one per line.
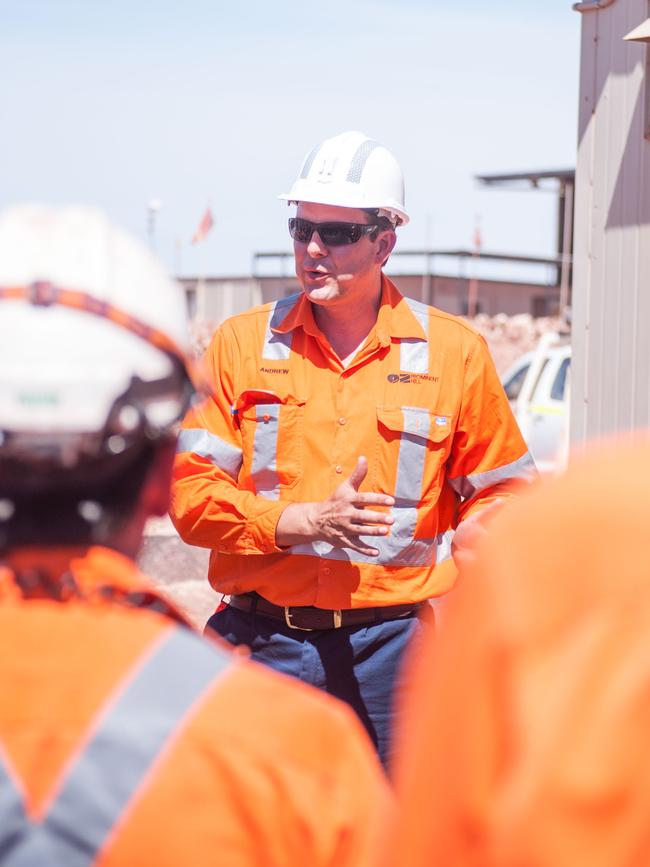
point(249, 403)
point(415, 421)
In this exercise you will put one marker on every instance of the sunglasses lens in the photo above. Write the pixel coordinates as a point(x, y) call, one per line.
point(331, 234)
point(300, 230)
point(339, 234)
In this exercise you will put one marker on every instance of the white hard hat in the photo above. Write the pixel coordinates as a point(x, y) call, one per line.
point(352, 171)
point(93, 334)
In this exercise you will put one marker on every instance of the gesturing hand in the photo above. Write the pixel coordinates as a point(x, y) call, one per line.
point(341, 519)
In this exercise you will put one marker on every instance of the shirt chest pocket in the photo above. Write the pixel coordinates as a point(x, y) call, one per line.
point(413, 445)
point(272, 444)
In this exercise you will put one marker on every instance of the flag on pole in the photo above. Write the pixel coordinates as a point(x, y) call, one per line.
point(478, 238)
point(207, 222)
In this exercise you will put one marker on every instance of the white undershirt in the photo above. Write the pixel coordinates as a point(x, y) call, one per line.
point(349, 358)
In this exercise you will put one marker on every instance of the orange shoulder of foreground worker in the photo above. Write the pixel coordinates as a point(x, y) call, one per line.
point(219, 758)
point(525, 738)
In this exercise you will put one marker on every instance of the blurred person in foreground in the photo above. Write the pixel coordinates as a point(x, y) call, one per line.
point(125, 738)
point(352, 432)
point(526, 733)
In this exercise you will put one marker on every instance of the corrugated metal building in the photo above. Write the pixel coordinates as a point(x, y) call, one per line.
point(610, 381)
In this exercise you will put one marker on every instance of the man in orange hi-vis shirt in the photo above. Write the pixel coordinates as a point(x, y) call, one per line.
point(125, 738)
point(526, 733)
point(352, 431)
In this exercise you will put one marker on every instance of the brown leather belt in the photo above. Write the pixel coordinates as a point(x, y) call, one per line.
point(309, 618)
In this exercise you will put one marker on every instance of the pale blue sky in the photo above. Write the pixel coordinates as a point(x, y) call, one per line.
point(114, 103)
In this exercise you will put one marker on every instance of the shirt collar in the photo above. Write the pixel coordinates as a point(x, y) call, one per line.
point(394, 319)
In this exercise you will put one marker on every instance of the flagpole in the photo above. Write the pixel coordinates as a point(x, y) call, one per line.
point(153, 208)
point(472, 290)
point(206, 223)
point(178, 257)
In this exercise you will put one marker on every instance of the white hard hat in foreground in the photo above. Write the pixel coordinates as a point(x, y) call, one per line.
point(352, 171)
point(79, 303)
point(93, 373)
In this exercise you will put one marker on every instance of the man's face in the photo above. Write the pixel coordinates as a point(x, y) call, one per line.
point(335, 275)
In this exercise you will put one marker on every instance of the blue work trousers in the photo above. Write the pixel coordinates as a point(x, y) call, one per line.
point(357, 664)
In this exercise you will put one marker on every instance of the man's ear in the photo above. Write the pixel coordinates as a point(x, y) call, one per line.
point(385, 244)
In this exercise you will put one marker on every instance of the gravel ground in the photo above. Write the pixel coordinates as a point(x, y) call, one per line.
point(178, 570)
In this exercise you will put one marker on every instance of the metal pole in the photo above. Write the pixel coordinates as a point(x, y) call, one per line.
point(153, 208)
point(178, 257)
point(426, 294)
point(472, 289)
point(565, 254)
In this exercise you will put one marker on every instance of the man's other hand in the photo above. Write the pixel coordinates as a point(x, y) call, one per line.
point(469, 534)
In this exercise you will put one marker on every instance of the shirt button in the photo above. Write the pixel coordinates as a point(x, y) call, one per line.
point(326, 570)
point(342, 420)
point(266, 417)
point(338, 468)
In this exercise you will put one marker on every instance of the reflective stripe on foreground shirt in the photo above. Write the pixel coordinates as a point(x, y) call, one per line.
point(131, 731)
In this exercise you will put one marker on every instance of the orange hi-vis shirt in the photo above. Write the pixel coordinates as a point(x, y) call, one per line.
point(525, 737)
point(127, 739)
point(421, 400)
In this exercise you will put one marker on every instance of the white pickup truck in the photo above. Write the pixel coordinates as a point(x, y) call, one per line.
point(538, 388)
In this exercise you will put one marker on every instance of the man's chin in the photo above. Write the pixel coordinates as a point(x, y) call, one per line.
point(320, 291)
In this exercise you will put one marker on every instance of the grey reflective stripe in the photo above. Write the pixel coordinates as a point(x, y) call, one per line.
point(412, 455)
point(394, 550)
point(309, 162)
point(208, 445)
point(400, 548)
point(15, 827)
point(522, 469)
point(264, 470)
point(414, 352)
point(277, 347)
point(443, 546)
point(359, 160)
point(113, 766)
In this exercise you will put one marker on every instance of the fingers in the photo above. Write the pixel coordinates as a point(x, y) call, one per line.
point(363, 517)
point(363, 500)
point(357, 545)
point(359, 473)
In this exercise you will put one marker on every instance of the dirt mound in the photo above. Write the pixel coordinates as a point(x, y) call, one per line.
point(510, 336)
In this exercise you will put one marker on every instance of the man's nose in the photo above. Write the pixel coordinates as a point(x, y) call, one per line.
point(315, 247)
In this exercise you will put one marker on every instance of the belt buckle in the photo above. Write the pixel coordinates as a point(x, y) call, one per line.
point(336, 615)
point(287, 620)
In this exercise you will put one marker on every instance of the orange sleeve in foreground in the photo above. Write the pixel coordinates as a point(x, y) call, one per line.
point(525, 740)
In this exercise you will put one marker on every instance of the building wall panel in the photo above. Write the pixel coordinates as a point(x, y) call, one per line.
point(611, 314)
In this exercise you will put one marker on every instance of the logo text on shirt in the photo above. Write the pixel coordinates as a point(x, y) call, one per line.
point(274, 370)
point(411, 377)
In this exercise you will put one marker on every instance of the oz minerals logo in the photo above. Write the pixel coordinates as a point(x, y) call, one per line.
point(411, 377)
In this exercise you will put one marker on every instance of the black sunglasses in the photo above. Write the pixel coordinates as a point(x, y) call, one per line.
point(331, 234)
